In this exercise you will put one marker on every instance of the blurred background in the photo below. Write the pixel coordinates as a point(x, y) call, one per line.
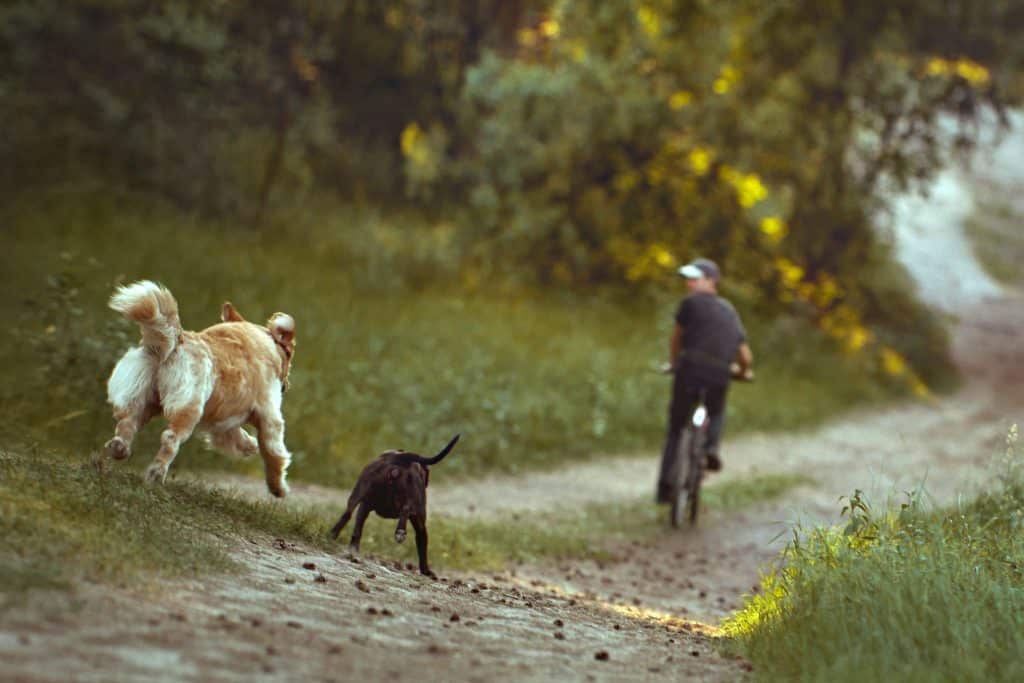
point(475, 210)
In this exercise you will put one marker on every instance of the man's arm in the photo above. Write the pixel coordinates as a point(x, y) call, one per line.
point(742, 367)
point(745, 357)
point(675, 345)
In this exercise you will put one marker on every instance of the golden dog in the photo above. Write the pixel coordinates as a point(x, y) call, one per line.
point(217, 380)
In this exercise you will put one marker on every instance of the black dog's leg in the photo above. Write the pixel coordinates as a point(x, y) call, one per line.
point(357, 532)
point(419, 525)
point(345, 516)
point(400, 529)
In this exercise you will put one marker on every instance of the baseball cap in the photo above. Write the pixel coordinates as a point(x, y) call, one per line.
point(701, 267)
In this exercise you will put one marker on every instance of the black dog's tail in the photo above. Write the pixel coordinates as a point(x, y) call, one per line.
point(440, 456)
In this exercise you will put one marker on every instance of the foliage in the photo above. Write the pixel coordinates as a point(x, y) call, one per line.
point(217, 104)
point(571, 142)
point(624, 136)
point(916, 594)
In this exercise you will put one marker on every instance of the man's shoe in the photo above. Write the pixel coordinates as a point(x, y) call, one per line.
point(712, 463)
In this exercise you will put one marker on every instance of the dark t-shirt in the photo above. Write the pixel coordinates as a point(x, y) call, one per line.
point(712, 334)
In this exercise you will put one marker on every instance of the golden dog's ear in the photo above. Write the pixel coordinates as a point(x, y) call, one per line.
point(282, 329)
point(228, 314)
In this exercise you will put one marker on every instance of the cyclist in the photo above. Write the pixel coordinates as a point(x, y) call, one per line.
point(707, 342)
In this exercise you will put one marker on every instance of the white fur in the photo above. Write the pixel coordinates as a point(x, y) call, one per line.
point(132, 383)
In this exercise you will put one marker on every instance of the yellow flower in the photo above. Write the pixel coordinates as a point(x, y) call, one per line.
point(727, 78)
point(749, 188)
point(857, 338)
point(661, 255)
point(937, 66)
point(773, 226)
point(790, 272)
point(967, 69)
point(413, 143)
point(549, 28)
point(700, 160)
point(972, 72)
point(680, 99)
point(892, 362)
point(649, 21)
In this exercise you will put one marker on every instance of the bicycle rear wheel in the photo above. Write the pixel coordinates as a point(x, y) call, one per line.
point(684, 494)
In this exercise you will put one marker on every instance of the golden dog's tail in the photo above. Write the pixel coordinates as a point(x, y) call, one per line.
point(154, 308)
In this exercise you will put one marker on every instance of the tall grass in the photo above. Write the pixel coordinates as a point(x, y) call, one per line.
point(396, 346)
point(994, 231)
point(910, 594)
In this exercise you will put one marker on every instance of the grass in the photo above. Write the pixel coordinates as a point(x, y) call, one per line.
point(394, 349)
point(994, 231)
point(912, 594)
point(62, 521)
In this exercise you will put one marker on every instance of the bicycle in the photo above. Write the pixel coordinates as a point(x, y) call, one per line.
point(689, 463)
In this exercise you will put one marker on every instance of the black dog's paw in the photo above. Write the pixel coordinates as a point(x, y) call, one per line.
point(428, 573)
point(400, 535)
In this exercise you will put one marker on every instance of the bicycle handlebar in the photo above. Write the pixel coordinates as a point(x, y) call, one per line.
point(734, 372)
point(741, 375)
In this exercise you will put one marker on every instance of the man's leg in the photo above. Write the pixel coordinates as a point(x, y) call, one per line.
point(714, 400)
point(680, 409)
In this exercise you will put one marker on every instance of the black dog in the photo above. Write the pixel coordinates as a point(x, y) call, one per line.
point(394, 485)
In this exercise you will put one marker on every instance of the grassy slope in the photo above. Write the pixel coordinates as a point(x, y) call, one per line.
point(911, 595)
point(61, 520)
point(382, 361)
point(994, 231)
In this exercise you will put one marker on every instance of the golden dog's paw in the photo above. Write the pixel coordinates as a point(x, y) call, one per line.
point(279, 489)
point(156, 473)
point(117, 449)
